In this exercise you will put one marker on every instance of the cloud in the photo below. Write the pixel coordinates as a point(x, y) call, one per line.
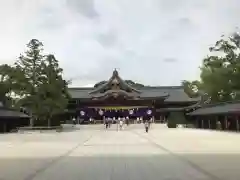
point(84, 7)
point(107, 39)
point(158, 42)
point(170, 60)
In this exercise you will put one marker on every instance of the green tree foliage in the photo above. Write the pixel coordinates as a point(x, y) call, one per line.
point(40, 83)
point(220, 71)
point(52, 92)
point(192, 88)
point(7, 83)
point(29, 67)
point(5, 70)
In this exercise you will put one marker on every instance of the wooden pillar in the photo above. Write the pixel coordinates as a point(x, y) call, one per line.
point(202, 125)
point(237, 123)
point(4, 127)
point(226, 122)
point(196, 122)
point(209, 123)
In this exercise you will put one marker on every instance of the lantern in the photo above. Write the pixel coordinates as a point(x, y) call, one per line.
point(131, 112)
point(82, 113)
point(149, 112)
point(100, 112)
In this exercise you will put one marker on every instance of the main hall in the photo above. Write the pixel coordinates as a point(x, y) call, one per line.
point(116, 98)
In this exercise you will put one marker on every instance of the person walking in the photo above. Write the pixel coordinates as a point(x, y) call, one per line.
point(74, 121)
point(121, 124)
point(106, 123)
point(109, 122)
point(146, 124)
point(127, 120)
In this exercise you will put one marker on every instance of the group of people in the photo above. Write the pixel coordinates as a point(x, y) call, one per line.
point(121, 121)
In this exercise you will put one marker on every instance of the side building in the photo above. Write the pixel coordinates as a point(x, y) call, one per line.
point(11, 120)
point(116, 98)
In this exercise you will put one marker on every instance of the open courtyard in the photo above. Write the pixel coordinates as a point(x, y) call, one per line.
point(94, 153)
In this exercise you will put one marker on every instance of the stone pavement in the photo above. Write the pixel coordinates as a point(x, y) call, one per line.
point(93, 153)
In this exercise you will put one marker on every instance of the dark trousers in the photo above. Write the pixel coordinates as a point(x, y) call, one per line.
point(146, 128)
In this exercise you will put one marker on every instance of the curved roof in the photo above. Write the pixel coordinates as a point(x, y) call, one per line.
point(9, 113)
point(175, 93)
point(169, 93)
point(115, 76)
point(144, 95)
point(121, 92)
point(232, 107)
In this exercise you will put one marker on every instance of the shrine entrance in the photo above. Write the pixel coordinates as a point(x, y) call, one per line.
point(99, 114)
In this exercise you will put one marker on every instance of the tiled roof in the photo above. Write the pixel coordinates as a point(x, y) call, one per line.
point(8, 113)
point(176, 93)
point(220, 108)
point(119, 81)
point(169, 93)
point(80, 93)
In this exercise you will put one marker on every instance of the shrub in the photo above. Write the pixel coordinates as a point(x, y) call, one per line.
point(171, 124)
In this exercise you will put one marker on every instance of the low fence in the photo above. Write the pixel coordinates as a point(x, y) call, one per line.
point(44, 129)
point(40, 129)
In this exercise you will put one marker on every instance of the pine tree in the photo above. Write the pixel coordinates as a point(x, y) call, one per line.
point(29, 67)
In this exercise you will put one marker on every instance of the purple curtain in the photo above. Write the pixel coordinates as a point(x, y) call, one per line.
point(138, 112)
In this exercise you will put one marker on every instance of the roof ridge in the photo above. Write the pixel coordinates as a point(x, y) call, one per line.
point(115, 75)
point(162, 87)
point(220, 103)
point(80, 88)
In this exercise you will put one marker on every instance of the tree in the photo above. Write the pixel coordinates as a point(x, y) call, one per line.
point(29, 64)
point(52, 92)
point(7, 84)
point(192, 88)
point(38, 80)
point(28, 67)
point(4, 81)
point(220, 71)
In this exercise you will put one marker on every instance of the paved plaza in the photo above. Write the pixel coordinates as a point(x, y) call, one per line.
point(93, 153)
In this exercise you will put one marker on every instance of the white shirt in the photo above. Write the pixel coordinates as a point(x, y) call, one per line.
point(146, 124)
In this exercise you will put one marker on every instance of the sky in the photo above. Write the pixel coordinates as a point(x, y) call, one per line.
point(153, 42)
